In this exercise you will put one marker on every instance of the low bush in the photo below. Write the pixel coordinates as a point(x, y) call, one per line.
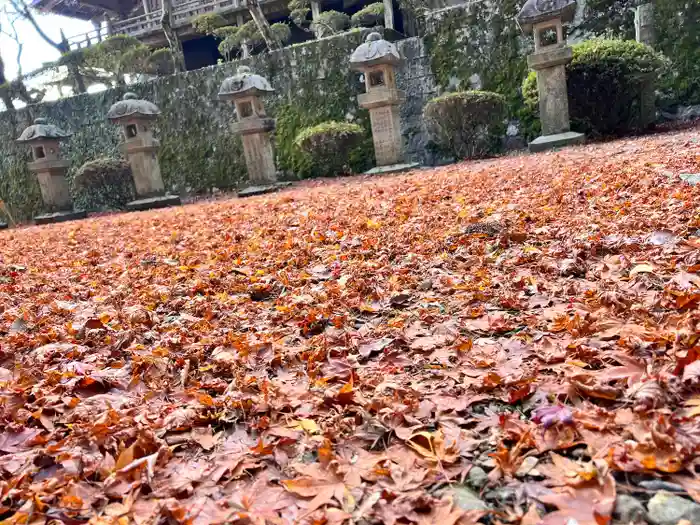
point(466, 124)
point(329, 146)
point(605, 82)
point(104, 183)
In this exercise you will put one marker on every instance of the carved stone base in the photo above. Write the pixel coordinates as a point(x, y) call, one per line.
point(393, 168)
point(153, 203)
point(559, 140)
point(60, 216)
point(251, 191)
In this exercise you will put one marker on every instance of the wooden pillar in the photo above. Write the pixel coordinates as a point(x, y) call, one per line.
point(315, 9)
point(644, 23)
point(108, 25)
point(388, 14)
point(146, 7)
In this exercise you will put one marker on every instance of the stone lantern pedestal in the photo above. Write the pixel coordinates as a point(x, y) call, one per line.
point(545, 18)
point(377, 59)
point(136, 118)
point(50, 169)
point(245, 90)
point(644, 23)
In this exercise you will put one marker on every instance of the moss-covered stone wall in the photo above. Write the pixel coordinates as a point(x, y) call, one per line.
point(478, 45)
point(313, 83)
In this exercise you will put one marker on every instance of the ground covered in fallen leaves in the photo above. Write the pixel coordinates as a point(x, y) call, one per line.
point(509, 342)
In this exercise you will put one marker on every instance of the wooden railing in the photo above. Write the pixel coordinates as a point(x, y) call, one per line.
point(87, 39)
point(138, 25)
point(150, 22)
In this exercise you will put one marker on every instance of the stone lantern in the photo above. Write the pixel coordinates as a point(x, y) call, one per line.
point(377, 59)
point(50, 168)
point(545, 18)
point(136, 118)
point(245, 90)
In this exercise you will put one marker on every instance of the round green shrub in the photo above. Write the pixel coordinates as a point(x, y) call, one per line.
point(160, 62)
point(329, 145)
point(330, 22)
point(466, 124)
point(369, 15)
point(104, 183)
point(281, 31)
point(207, 23)
point(605, 82)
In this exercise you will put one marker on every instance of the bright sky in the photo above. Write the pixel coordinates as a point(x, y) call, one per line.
point(36, 51)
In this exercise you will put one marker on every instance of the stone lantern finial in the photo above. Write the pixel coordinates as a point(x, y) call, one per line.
point(50, 169)
point(377, 60)
point(136, 117)
point(545, 19)
point(535, 11)
point(246, 89)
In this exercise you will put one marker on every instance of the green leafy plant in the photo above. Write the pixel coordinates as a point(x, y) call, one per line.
point(370, 15)
point(677, 35)
point(329, 145)
point(605, 79)
point(235, 37)
point(330, 22)
point(160, 62)
point(299, 13)
point(281, 31)
point(123, 54)
point(466, 124)
point(471, 47)
point(208, 23)
point(104, 183)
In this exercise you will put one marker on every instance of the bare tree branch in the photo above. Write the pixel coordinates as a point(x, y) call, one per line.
point(23, 10)
point(14, 35)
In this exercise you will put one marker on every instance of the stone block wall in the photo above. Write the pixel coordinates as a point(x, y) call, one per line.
point(313, 83)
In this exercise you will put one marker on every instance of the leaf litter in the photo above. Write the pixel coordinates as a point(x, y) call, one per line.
point(354, 351)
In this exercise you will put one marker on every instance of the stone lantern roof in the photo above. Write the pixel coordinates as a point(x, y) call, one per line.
point(132, 106)
point(535, 11)
point(42, 130)
point(244, 83)
point(373, 52)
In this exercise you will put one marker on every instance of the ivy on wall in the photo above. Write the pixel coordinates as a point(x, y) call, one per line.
point(198, 152)
point(480, 46)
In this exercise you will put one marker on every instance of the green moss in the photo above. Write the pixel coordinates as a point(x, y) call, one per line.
point(475, 40)
point(198, 152)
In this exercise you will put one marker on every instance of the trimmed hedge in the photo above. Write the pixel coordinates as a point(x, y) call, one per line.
point(605, 80)
point(466, 124)
point(329, 145)
point(103, 184)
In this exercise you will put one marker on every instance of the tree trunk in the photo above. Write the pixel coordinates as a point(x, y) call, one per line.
point(73, 68)
point(171, 37)
point(263, 25)
point(5, 88)
point(78, 80)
